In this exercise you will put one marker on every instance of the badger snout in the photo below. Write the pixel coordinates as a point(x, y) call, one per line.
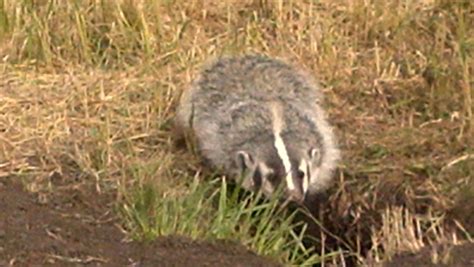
point(295, 196)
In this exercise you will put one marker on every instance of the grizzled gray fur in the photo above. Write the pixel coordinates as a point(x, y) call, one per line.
point(259, 120)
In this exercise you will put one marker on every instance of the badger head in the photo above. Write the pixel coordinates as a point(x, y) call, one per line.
point(269, 171)
point(297, 160)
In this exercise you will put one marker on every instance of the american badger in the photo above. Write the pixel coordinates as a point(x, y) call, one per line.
point(259, 121)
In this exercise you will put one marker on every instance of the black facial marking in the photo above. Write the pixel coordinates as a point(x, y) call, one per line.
point(274, 162)
point(257, 178)
point(272, 177)
point(300, 174)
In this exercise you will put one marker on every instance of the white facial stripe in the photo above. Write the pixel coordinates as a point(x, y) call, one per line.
point(278, 125)
point(283, 154)
point(289, 182)
point(304, 167)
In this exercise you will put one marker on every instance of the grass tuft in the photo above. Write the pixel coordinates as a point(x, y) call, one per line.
point(214, 212)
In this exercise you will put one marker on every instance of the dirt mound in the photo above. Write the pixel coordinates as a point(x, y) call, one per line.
point(74, 226)
point(449, 255)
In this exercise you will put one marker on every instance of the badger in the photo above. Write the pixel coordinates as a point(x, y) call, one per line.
point(259, 120)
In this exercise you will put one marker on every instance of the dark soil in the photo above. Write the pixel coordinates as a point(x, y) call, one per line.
point(449, 255)
point(74, 226)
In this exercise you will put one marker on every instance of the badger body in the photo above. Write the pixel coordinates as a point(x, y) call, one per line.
point(259, 121)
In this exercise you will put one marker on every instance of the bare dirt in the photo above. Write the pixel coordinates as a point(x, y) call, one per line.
point(74, 226)
point(448, 255)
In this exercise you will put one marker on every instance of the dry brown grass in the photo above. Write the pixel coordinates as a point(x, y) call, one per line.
point(88, 90)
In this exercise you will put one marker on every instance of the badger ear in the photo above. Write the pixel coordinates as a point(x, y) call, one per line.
point(315, 155)
point(244, 161)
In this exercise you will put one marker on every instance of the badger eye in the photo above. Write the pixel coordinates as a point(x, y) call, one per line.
point(300, 174)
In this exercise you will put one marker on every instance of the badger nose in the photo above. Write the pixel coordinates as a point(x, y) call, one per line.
point(296, 196)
